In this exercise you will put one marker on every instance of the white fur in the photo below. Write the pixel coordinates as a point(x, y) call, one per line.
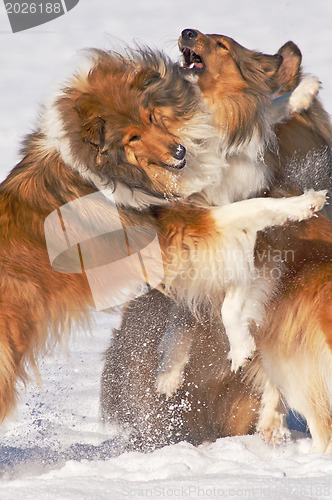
point(300, 99)
point(175, 349)
point(52, 127)
point(302, 96)
point(220, 175)
point(271, 422)
point(232, 271)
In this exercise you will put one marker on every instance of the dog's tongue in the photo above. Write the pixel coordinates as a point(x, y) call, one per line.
point(195, 65)
point(198, 65)
point(192, 60)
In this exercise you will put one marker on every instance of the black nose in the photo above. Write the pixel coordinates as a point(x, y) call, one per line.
point(189, 34)
point(180, 152)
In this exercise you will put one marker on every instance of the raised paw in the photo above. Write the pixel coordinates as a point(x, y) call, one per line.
point(168, 382)
point(240, 355)
point(307, 205)
point(303, 95)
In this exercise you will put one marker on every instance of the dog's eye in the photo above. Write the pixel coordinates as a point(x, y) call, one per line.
point(222, 45)
point(134, 138)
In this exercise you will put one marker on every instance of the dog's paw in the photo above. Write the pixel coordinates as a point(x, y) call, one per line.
point(168, 382)
point(240, 355)
point(274, 435)
point(307, 205)
point(303, 95)
point(274, 432)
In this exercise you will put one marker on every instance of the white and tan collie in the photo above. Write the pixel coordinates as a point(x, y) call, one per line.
point(236, 84)
point(100, 130)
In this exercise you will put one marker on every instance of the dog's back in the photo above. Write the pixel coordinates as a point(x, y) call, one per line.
point(304, 156)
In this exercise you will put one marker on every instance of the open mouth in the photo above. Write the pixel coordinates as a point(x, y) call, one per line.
point(191, 61)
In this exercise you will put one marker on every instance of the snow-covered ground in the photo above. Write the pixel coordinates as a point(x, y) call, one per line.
point(55, 447)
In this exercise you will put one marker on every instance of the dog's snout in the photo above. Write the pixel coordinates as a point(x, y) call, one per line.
point(180, 152)
point(189, 34)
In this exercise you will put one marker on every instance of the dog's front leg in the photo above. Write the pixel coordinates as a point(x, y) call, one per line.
point(297, 101)
point(257, 214)
point(242, 344)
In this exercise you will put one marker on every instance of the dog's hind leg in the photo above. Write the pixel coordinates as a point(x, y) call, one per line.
point(175, 349)
point(270, 424)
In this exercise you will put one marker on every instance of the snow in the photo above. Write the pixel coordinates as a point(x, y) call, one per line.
point(54, 447)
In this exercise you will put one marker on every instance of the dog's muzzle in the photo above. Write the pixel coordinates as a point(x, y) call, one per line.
point(192, 62)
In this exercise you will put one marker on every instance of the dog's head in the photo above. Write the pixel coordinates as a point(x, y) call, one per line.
point(218, 59)
point(116, 125)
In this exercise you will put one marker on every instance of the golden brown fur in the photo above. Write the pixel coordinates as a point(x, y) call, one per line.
point(101, 130)
point(232, 80)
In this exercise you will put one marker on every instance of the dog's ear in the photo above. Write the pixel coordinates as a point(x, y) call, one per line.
point(144, 78)
point(290, 69)
point(93, 132)
point(270, 64)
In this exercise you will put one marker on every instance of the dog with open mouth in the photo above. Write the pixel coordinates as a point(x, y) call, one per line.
point(303, 156)
point(294, 338)
point(235, 94)
point(97, 132)
point(130, 397)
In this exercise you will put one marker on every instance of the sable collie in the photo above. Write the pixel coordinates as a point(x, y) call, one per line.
point(300, 326)
point(212, 402)
point(134, 127)
point(237, 98)
point(304, 155)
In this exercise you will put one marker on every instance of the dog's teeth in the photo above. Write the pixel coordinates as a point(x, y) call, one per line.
point(192, 65)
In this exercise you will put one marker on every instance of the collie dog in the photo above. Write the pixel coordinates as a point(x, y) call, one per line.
point(212, 402)
point(298, 325)
point(246, 87)
point(99, 131)
point(304, 156)
point(133, 129)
